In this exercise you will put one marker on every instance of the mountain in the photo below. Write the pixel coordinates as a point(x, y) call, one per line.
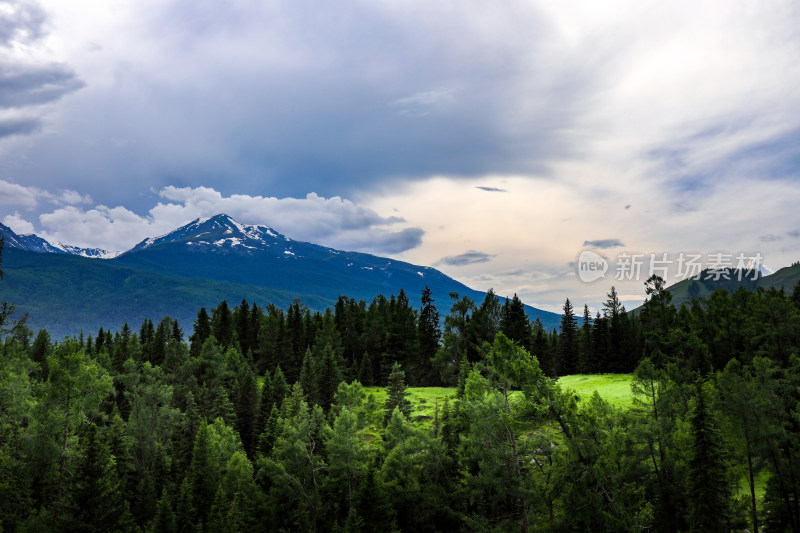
point(34, 243)
point(199, 265)
point(685, 290)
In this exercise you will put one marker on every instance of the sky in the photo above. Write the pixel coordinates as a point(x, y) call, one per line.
point(493, 141)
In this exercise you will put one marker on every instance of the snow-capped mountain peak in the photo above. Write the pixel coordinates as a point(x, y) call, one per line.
point(218, 232)
point(34, 243)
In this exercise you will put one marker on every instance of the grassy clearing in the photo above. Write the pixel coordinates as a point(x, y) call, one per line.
point(761, 485)
point(613, 388)
point(423, 400)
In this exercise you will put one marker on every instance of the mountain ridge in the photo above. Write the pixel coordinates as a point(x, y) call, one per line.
point(200, 264)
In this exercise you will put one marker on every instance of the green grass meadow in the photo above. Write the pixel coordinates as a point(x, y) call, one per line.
point(613, 388)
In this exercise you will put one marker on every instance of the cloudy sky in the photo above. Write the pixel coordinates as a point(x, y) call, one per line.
point(494, 141)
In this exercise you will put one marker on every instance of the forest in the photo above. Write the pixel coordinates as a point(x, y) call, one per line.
point(266, 419)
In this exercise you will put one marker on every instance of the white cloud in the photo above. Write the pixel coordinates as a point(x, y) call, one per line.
point(18, 195)
point(13, 194)
point(335, 222)
point(18, 225)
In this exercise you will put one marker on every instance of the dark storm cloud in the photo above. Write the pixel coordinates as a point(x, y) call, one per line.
point(300, 96)
point(467, 258)
point(25, 85)
point(604, 243)
point(22, 126)
point(394, 242)
point(491, 189)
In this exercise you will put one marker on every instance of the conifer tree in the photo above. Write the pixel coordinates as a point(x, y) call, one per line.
point(396, 392)
point(586, 353)
point(365, 371)
point(514, 323)
point(330, 375)
point(280, 389)
point(222, 327)
point(263, 409)
point(708, 490)
point(308, 377)
point(201, 476)
point(202, 331)
point(164, 520)
point(430, 333)
point(568, 342)
point(96, 503)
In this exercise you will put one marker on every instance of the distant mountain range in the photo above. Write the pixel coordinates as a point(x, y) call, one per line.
point(34, 243)
point(67, 289)
point(684, 291)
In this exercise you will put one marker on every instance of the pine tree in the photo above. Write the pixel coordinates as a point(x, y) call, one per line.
point(396, 392)
point(709, 494)
point(365, 371)
point(264, 407)
point(185, 513)
point(568, 341)
point(164, 520)
point(202, 331)
point(280, 389)
point(330, 375)
point(373, 504)
point(514, 323)
point(201, 477)
point(430, 333)
point(308, 377)
point(246, 402)
point(586, 353)
point(266, 439)
point(222, 327)
point(96, 503)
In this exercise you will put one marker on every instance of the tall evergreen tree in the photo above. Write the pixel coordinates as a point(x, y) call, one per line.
point(568, 342)
point(329, 377)
point(202, 331)
point(222, 327)
point(708, 490)
point(586, 352)
point(96, 503)
point(514, 323)
point(396, 392)
point(430, 335)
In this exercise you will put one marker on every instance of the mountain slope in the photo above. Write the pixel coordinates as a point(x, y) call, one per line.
point(34, 243)
point(200, 264)
point(685, 290)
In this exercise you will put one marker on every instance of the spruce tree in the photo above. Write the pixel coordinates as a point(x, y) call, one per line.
point(586, 353)
point(330, 375)
point(97, 501)
point(308, 377)
point(201, 476)
point(709, 494)
point(365, 371)
point(202, 331)
point(568, 341)
point(164, 520)
point(430, 333)
point(396, 392)
point(280, 389)
point(222, 327)
point(514, 322)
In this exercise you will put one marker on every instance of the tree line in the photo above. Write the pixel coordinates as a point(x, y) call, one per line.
point(261, 421)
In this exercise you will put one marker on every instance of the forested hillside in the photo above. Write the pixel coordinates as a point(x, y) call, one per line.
point(261, 422)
